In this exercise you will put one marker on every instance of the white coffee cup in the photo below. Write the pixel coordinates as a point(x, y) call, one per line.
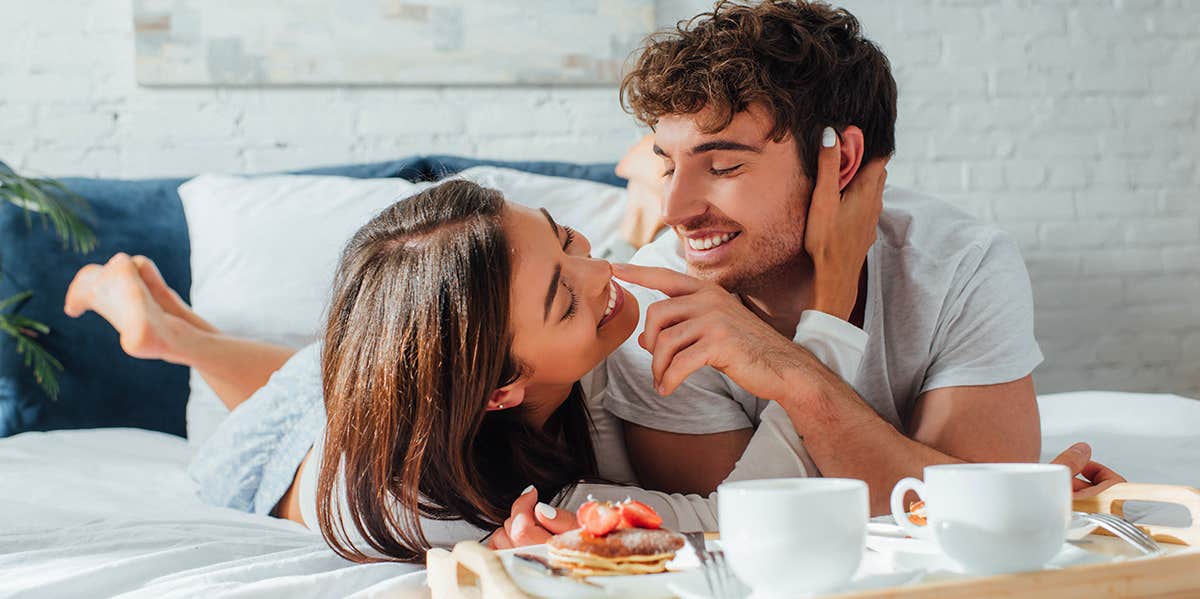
point(788, 536)
point(991, 518)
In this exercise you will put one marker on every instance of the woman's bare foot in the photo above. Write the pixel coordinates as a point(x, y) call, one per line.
point(117, 292)
point(166, 297)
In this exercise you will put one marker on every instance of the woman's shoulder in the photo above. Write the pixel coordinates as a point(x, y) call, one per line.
point(608, 439)
point(310, 471)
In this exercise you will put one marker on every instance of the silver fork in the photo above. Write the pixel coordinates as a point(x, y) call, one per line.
point(1123, 530)
point(724, 574)
point(712, 563)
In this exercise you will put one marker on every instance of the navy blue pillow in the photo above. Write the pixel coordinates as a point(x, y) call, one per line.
point(101, 386)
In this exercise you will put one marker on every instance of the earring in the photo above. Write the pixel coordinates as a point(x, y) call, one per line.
point(499, 406)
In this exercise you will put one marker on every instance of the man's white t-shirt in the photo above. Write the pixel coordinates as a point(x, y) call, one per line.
point(948, 304)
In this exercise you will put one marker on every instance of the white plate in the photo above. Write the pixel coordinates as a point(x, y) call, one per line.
point(642, 586)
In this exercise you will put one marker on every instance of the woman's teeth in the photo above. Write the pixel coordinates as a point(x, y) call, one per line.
point(612, 300)
point(708, 243)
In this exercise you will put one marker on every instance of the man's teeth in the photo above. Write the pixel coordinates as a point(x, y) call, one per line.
point(708, 243)
point(612, 299)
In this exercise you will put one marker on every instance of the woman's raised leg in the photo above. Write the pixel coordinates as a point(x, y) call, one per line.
point(155, 323)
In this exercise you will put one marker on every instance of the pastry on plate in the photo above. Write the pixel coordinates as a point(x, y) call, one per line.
point(615, 539)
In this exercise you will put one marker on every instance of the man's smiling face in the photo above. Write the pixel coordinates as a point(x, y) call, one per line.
point(736, 199)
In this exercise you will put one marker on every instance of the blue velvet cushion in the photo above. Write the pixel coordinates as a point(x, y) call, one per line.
point(100, 385)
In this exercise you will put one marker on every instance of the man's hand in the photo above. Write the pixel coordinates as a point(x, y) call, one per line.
point(841, 227)
point(704, 325)
point(531, 523)
point(1088, 478)
point(643, 210)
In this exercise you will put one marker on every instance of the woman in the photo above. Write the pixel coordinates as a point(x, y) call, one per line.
point(458, 365)
point(442, 394)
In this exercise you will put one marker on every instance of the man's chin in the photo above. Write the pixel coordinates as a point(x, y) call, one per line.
point(724, 276)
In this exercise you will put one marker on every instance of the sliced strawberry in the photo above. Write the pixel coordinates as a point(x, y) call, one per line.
point(598, 518)
point(916, 513)
point(635, 514)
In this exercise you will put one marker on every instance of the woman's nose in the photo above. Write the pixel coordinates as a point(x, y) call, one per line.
point(597, 273)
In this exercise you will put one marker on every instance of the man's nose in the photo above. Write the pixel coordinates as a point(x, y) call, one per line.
point(683, 199)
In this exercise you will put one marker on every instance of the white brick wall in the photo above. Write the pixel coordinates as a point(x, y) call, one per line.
point(1074, 124)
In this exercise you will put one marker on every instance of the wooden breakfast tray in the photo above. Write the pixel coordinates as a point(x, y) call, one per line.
point(473, 571)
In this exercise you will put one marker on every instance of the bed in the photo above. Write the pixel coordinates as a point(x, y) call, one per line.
point(111, 512)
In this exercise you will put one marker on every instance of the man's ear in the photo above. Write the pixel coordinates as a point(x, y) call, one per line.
point(507, 396)
point(851, 148)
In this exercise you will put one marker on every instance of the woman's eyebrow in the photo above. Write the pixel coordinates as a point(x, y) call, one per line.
point(553, 292)
point(550, 219)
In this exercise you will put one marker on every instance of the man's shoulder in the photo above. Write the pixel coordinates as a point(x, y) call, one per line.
point(918, 227)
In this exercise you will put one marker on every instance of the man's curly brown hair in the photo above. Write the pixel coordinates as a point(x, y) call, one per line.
point(805, 62)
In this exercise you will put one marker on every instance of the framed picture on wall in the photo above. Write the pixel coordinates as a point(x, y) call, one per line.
point(386, 42)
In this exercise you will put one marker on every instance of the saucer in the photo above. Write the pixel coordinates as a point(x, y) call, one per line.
point(895, 550)
point(885, 536)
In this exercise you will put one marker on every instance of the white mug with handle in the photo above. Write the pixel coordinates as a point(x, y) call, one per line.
point(790, 537)
point(991, 518)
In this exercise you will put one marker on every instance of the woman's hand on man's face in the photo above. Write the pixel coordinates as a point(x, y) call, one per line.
point(531, 523)
point(840, 227)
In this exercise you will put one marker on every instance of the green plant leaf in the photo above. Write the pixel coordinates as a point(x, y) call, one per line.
point(45, 367)
point(15, 301)
point(57, 206)
point(63, 210)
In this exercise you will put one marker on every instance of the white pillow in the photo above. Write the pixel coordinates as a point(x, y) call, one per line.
point(594, 209)
point(264, 249)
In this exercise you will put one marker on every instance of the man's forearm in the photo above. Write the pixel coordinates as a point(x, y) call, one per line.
point(847, 439)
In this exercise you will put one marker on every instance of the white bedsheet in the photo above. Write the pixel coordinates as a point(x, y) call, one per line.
point(1153, 438)
point(111, 512)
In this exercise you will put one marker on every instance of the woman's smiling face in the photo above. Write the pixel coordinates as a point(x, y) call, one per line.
point(567, 312)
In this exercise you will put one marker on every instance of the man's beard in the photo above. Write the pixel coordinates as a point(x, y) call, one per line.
point(775, 257)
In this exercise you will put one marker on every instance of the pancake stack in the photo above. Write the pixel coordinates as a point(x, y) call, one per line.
point(618, 553)
point(615, 539)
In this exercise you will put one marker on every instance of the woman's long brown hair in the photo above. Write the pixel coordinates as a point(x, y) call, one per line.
point(417, 338)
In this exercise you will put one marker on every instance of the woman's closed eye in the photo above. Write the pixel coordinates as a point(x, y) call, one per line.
point(574, 240)
point(573, 306)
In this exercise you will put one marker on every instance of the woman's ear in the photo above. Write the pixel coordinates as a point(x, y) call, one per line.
point(852, 152)
point(507, 396)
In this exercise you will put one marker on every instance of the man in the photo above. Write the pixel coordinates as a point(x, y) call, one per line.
point(739, 100)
